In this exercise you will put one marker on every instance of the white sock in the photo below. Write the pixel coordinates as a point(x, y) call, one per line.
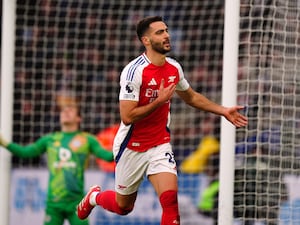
point(93, 198)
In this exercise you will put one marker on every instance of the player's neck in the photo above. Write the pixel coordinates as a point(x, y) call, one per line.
point(156, 58)
point(68, 128)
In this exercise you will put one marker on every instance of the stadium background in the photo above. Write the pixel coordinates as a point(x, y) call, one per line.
point(78, 48)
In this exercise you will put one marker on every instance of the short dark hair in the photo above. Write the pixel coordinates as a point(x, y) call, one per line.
point(143, 25)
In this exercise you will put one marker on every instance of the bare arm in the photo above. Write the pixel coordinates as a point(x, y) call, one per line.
point(130, 111)
point(199, 101)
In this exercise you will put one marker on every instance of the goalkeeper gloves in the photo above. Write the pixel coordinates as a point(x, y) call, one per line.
point(3, 142)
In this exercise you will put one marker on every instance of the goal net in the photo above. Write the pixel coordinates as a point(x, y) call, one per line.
point(78, 48)
point(267, 165)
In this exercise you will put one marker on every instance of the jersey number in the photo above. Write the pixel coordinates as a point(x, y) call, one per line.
point(170, 156)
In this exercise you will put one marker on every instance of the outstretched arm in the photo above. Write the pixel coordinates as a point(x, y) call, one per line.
point(232, 114)
point(199, 101)
point(28, 151)
point(99, 151)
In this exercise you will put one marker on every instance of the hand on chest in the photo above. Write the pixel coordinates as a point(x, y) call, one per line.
point(152, 78)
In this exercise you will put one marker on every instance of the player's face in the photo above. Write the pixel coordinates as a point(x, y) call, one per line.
point(159, 37)
point(69, 115)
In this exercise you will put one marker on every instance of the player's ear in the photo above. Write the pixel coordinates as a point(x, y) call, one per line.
point(145, 40)
point(78, 115)
point(79, 119)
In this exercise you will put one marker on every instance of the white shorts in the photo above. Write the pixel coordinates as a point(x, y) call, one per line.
point(133, 166)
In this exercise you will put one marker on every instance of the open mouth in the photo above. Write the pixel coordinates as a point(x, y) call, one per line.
point(166, 43)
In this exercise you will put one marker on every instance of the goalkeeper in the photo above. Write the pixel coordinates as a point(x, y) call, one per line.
point(67, 152)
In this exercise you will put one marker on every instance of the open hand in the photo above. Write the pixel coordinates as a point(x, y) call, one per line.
point(166, 93)
point(237, 119)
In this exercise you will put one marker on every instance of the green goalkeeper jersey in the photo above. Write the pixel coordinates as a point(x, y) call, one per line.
point(67, 156)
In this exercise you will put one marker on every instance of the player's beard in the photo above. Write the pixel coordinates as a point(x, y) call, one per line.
point(159, 47)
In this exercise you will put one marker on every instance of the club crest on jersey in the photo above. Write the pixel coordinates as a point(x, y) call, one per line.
point(171, 79)
point(77, 142)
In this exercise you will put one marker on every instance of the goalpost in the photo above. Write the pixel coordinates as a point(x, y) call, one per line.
point(6, 106)
point(229, 92)
point(52, 48)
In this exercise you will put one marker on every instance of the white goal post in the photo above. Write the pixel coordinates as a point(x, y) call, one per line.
point(229, 93)
point(6, 106)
